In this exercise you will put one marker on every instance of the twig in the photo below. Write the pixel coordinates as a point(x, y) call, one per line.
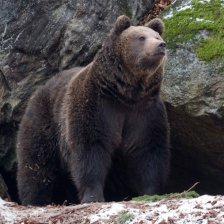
point(193, 186)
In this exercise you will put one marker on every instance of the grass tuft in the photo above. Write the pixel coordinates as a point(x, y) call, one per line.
point(124, 218)
point(152, 198)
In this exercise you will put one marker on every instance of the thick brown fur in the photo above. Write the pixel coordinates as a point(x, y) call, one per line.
point(99, 132)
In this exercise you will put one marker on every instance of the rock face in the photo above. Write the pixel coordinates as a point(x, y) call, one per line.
point(40, 38)
point(195, 108)
point(3, 188)
point(194, 91)
point(37, 40)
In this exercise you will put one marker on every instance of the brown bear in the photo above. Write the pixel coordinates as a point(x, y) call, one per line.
point(99, 132)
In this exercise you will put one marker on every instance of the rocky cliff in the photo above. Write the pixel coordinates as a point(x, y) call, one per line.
point(40, 38)
point(193, 89)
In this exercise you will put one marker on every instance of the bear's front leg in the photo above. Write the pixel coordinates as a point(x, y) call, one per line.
point(89, 167)
point(148, 169)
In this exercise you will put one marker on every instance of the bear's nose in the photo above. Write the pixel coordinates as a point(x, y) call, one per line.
point(161, 48)
point(162, 45)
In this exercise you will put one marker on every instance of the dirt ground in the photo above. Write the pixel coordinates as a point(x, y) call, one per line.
point(205, 210)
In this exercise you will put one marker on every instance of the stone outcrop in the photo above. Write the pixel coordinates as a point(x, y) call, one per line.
point(40, 38)
point(194, 93)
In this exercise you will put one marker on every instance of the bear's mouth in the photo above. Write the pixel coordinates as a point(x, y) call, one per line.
point(152, 61)
point(160, 53)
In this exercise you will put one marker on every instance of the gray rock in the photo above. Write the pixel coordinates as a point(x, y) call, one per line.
point(194, 94)
point(3, 189)
point(40, 38)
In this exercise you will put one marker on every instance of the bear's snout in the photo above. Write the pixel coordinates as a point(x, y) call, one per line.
point(161, 47)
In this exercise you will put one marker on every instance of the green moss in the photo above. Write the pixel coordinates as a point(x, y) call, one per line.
point(186, 24)
point(211, 48)
point(185, 194)
point(124, 218)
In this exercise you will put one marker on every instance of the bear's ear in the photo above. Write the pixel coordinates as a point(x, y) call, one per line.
point(157, 25)
point(121, 24)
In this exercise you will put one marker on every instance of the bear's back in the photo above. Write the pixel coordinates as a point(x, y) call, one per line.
point(46, 102)
point(51, 94)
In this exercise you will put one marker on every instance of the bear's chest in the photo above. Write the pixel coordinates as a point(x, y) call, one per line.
point(122, 127)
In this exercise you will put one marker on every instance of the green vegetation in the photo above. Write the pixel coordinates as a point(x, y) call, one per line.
point(124, 218)
point(185, 194)
point(186, 24)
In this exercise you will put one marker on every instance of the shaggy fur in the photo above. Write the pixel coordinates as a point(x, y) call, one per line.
point(99, 132)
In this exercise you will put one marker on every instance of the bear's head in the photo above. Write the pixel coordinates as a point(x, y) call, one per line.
point(140, 48)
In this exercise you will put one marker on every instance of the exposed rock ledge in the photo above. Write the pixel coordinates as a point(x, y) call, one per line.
point(205, 210)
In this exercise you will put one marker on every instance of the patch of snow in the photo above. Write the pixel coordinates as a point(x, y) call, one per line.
point(188, 211)
point(204, 20)
point(204, 1)
point(6, 213)
point(199, 20)
point(205, 209)
point(169, 15)
point(106, 212)
point(185, 6)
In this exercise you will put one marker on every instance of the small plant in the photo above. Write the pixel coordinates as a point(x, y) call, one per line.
point(190, 194)
point(186, 194)
point(124, 218)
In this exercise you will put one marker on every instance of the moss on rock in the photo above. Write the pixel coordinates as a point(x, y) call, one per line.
point(123, 218)
point(185, 194)
point(186, 24)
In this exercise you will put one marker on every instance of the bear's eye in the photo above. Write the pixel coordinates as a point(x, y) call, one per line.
point(141, 38)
